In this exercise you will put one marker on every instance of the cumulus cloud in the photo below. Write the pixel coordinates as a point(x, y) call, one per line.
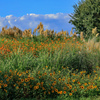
point(56, 21)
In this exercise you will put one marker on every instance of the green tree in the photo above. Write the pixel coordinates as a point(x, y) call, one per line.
point(86, 16)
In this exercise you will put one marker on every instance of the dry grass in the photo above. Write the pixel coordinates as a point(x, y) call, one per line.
point(50, 32)
point(15, 32)
point(48, 78)
point(11, 31)
point(92, 45)
point(27, 33)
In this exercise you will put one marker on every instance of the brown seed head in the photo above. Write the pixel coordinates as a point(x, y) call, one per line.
point(71, 32)
point(38, 27)
point(81, 35)
point(94, 30)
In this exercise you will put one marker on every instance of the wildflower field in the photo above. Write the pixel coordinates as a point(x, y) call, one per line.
point(50, 66)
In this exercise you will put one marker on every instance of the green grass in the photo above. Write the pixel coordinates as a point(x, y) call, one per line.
point(64, 57)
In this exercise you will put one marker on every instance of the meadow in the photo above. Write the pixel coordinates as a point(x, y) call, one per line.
point(50, 66)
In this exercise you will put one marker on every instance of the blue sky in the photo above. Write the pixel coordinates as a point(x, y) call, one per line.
point(28, 13)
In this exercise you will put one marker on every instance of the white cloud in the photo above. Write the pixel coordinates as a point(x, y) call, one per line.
point(9, 22)
point(34, 15)
point(9, 16)
point(56, 21)
point(52, 16)
point(22, 18)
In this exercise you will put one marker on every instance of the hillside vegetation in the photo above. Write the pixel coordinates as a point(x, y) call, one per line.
point(58, 66)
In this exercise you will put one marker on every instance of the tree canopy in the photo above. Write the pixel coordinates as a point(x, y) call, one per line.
point(86, 16)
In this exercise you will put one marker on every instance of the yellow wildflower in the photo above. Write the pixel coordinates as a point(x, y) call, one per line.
point(70, 94)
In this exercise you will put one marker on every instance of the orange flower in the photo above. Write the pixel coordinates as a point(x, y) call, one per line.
point(68, 79)
point(78, 82)
point(53, 84)
point(50, 74)
point(39, 76)
point(91, 86)
point(22, 80)
point(81, 72)
point(70, 94)
point(5, 90)
point(26, 80)
point(7, 79)
point(45, 73)
point(73, 74)
point(59, 79)
point(59, 92)
point(88, 82)
point(95, 86)
point(56, 90)
point(63, 79)
point(64, 88)
point(54, 73)
point(41, 83)
point(10, 70)
point(48, 92)
point(64, 92)
point(5, 76)
point(46, 66)
point(67, 84)
point(26, 71)
point(20, 74)
point(88, 76)
point(82, 87)
point(73, 80)
point(52, 91)
point(38, 84)
point(38, 72)
point(24, 84)
point(36, 87)
point(70, 87)
point(5, 85)
point(32, 78)
point(43, 88)
point(51, 87)
point(72, 91)
point(85, 84)
point(17, 87)
point(75, 89)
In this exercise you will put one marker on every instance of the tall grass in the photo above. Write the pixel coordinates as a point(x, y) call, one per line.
point(49, 66)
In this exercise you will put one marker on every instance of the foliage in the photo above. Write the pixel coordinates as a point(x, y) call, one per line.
point(49, 66)
point(86, 16)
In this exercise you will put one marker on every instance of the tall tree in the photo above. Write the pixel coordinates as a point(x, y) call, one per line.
point(86, 16)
